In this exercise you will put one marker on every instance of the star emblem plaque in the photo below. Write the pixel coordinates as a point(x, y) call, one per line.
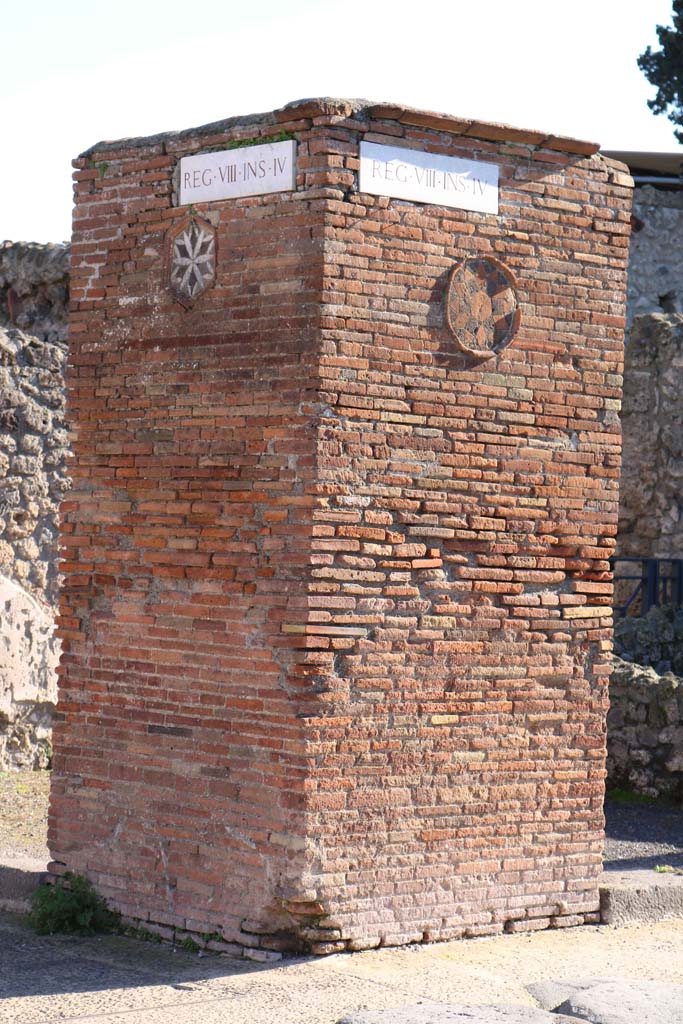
point(192, 259)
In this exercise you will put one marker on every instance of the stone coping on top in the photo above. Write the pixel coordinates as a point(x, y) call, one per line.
point(301, 113)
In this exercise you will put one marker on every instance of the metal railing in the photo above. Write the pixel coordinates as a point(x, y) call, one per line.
point(658, 581)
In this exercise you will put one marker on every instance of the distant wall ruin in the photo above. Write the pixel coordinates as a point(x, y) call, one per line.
point(645, 731)
point(34, 448)
point(651, 488)
point(655, 282)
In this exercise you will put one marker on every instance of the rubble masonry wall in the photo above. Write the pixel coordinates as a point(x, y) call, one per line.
point(34, 449)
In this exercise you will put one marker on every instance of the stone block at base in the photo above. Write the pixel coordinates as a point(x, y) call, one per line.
point(640, 895)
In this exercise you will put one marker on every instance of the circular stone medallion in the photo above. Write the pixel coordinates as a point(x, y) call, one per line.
point(482, 309)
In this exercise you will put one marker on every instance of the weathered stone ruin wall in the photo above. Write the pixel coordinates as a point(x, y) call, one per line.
point(645, 722)
point(645, 731)
point(33, 479)
point(336, 616)
point(34, 289)
point(655, 283)
point(651, 490)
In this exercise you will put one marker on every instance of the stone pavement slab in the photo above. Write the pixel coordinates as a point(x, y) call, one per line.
point(549, 994)
point(626, 1002)
point(442, 1013)
point(612, 1000)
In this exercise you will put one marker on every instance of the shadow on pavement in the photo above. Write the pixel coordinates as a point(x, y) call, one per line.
point(17, 882)
point(642, 835)
point(672, 860)
point(35, 965)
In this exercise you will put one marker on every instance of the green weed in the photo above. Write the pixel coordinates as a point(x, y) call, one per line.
point(70, 906)
point(628, 796)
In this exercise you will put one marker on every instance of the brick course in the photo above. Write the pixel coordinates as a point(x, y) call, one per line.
point(336, 619)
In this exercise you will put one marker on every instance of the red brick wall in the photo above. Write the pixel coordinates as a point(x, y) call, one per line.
point(336, 616)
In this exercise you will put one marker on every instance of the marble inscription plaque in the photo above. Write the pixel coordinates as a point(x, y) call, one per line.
point(428, 177)
point(232, 173)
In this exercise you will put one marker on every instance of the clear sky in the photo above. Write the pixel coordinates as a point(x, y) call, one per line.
point(73, 72)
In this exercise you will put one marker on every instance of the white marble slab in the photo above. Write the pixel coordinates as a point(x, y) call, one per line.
point(428, 177)
point(232, 173)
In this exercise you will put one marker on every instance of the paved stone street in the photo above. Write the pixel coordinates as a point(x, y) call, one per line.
point(112, 980)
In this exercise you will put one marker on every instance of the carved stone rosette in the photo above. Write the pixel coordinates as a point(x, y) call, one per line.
point(191, 258)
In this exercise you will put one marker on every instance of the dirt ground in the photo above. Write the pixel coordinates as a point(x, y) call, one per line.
point(23, 813)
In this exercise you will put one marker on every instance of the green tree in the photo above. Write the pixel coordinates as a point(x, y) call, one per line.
point(664, 69)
